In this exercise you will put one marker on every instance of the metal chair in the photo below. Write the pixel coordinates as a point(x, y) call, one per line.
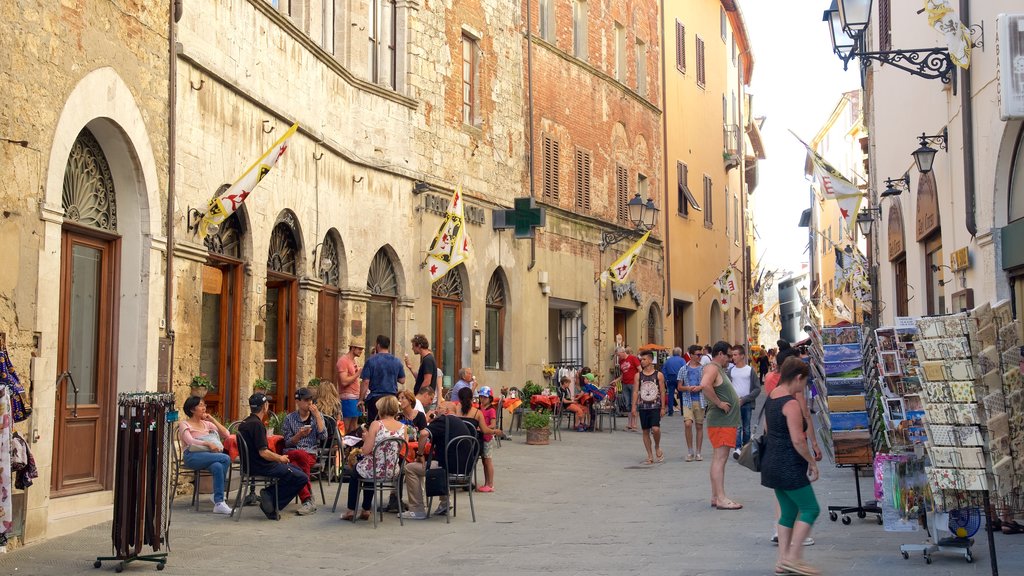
point(380, 484)
point(197, 475)
point(246, 478)
point(517, 414)
point(461, 455)
point(324, 455)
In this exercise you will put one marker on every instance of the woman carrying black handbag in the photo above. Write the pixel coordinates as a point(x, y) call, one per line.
point(788, 466)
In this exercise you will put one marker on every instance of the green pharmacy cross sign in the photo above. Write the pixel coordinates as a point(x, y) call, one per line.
point(524, 218)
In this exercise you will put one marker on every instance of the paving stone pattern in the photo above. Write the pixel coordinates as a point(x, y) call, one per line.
point(582, 505)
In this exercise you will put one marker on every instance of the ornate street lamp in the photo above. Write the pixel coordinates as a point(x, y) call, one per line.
point(643, 216)
point(924, 156)
point(854, 15)
point(842, 43)
point(897, 186)
point(865, 219)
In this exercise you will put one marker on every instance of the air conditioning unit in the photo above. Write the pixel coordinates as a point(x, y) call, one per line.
point(1010, 48)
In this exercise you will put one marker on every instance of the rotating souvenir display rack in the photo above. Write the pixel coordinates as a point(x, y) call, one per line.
point(899, 410)
point(845, 422)
point(970, 367)
point(142, 496)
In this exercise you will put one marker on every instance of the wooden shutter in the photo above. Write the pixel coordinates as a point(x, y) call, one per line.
point(707, 201)
point(621, 193)
point(550, 174)
point(884, 26)
point(701, 79)
point(683, 206)
point(583, 180)
point(680, 47)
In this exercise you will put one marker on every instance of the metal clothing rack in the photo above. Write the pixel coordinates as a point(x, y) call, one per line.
point(141, 479)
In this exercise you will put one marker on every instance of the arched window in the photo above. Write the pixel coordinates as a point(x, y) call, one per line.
point(382, 284)
point(494, 339)
point(283, 250)
point(88, 195)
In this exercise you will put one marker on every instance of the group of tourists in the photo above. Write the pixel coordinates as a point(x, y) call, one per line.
point(716, 388)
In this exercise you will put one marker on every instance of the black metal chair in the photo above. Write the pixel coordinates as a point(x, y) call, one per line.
point(461, 455)
point(380, 484)
point(197, 475)
point(324, 454)
point(247, 478)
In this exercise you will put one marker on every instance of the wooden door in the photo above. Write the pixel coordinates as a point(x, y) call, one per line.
point(447, 337)
point(87, 351)
point(620, 322)
point(220, 341)
point(279, 349)
point(327, 335)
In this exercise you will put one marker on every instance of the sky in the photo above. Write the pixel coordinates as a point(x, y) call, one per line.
point(796, 84)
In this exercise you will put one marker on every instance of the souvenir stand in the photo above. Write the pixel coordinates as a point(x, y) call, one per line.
point(970, 368)
point(843, 400)
point(142, 495)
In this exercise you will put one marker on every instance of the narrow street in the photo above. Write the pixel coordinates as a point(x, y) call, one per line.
point(582, 505)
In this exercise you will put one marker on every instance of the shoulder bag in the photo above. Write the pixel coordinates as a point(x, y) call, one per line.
point(750, 454)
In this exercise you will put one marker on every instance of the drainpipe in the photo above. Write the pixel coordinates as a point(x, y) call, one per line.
point(970, 199)
point(529, 104)
point(667, 299)
point(172, 100)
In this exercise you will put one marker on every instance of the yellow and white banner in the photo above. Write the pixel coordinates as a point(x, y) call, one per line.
point(451, 245)
point(220, 207)
point(944, 19)
point(620, 269)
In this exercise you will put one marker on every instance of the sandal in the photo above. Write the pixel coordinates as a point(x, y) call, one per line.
point(728, 505)
point(364, 515)
point(648, 462)
point(799, 569)
point(661, 456)
point(348, 516)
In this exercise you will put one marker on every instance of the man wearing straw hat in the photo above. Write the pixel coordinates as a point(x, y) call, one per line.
point(348, 383)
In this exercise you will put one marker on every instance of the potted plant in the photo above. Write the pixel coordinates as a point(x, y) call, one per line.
point(275, 422)
point(530, 389)
point(538, 426)
point(314, 382)
point(200, 385)
point(261, 385)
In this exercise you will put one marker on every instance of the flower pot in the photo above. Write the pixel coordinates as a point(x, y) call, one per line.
point(538, 436)
point(199, 391)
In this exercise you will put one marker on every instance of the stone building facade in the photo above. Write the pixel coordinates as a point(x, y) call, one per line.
point(83, 156)
point(591, 156)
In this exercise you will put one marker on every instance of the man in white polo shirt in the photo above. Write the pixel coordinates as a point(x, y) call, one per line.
point(747, 389)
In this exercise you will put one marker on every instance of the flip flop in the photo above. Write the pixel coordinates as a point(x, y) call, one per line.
point(661, 456)
point(729, 505)
point(648, 462)
point(348, 517)
point(364, 515)
point(799, 569)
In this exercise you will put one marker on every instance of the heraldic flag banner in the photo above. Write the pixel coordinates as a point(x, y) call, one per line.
point(451, 245)
point(620, 269)
point(220, 207)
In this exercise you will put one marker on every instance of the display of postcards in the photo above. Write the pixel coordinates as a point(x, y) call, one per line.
point(842, 353)
point(983, 314)
point(894, 410)
point(917, 435)
point(987, 335)
point(931, 328)
point(889, 363)
point(934, 370)
point(945, 348)
point(960, 369)
point(952, 457)
point(995, 403)
point(1002, 472)
point(847, 369)
point(948, 435)
point(987, 360)
point(1012, 379)
point(966, 414)
point(1015, 403)
point(1009, 337)
point(852, 447)
point(999, 447)
point(962, 391)
point(913, 403)
point(842, 421)
point(909, 385)
point(956, 479)
point(845, 403)
point(845, 386)
point(1012, 357)
point(1002, 312)
point(886, 338)
point(937, 392)
point(998, 425)
point(991, 381)
point(961, 324)
point(840, 335)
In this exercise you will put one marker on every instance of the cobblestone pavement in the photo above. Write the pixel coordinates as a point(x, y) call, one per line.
point(583, 505)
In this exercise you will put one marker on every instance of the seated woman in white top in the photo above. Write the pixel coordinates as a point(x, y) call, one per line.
point(202, 442)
